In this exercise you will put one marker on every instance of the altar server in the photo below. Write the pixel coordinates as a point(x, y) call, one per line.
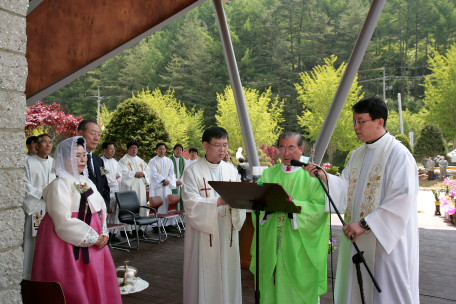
point(37, 176)
point(114, 175)
point(162, 180)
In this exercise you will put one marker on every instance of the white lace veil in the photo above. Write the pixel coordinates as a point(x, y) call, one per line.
point(65, 164)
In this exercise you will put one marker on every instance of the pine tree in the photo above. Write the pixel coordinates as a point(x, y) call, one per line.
point(429, 143)
point(135, 120)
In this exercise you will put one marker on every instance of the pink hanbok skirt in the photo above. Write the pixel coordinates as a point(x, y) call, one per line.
point(53, 260)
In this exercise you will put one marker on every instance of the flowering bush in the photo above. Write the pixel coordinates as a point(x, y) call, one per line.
point(332, 243)
point(271, 152)
point(330, 169)
point(448, 201)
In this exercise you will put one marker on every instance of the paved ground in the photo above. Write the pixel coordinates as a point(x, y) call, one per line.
point(161, 265)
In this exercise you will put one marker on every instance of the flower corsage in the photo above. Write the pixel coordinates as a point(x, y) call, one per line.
point(81, 187)
point(104, 171)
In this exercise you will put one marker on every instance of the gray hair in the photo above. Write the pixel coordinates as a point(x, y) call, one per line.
point(288, 134)
point(83, 124)
point(39, 138)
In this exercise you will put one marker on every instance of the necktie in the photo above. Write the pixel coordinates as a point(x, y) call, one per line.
point(90, 168)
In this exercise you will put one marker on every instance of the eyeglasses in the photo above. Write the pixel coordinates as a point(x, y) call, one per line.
point(290, 150)
point(359, 122)
point(219, 146)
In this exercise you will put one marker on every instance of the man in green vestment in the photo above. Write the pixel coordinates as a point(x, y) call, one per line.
point(294, 247)
point(179, 166)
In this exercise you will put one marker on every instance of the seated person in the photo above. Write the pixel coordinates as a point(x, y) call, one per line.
point(72, 237)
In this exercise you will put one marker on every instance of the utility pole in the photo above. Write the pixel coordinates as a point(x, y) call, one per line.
point(400, 112)
point(99, 98)
point(384, 91)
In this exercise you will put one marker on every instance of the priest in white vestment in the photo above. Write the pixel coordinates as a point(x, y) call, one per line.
point(162, 179)
point(212, 270)
point(135, 176)
point(179, 165)
point(377, 191)
point(37, 176)
point(193, 152)
point(114, 175)
point(31, 147)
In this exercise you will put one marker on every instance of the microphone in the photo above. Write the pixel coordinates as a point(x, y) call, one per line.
point(297, 163)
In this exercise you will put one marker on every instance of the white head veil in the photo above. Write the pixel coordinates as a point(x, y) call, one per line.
point(65, 164)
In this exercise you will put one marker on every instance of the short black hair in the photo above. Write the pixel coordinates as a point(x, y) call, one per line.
point(374, 106)
point(83, 124)
point(241, 159)
point(107, 143)
point(178, 145)
point(160, 144)
point(39, 138)
point(80, 141)
point(193, 149)
point(214, 132)
point(30, 140)
point(288, 134)
point(132, 143)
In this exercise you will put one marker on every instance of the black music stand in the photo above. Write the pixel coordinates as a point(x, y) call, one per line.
point(258, 197)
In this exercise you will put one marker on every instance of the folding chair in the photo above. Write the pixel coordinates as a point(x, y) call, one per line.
point(112, 227)
point(129, 207)
point(173, 200)
point(38, 292)
point(156, 202)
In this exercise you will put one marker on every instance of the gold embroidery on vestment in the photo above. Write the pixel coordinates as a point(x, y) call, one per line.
point(367, 206)
point(351, 190)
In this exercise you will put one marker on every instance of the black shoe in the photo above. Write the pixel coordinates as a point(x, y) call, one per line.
point(155, 229)
point(122, 233)
point(168, 228)
point(113, 236)
point(131, 234)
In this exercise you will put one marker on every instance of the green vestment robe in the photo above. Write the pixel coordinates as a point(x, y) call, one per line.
point(293, 265)
point(181, 171)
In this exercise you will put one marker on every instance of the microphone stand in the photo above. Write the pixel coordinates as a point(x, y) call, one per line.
point(357, 258)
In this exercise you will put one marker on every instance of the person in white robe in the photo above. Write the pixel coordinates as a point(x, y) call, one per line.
point(162, 179)
point(37, 176)
point(135, 176)
point(31, 147)
point(179, 165)
point(193, 152)
point(114, 175)
point(212, 270)
point(377, 191)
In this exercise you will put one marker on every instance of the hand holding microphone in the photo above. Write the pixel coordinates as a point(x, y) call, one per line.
point(309, 167)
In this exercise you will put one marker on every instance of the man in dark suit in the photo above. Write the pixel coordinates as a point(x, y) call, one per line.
point(90, 130)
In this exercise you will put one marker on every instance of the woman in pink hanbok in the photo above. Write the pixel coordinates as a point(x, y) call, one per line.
point(71, 240)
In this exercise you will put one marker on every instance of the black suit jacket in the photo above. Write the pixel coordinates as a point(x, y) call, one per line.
point(101, 181)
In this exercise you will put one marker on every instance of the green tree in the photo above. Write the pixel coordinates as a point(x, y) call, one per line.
point(441, 92)
point(265, 115)
point(184, 126)
point(429, 143)
point(411, 122)
point(405, 141)
point(316, 92)
point(135, 120)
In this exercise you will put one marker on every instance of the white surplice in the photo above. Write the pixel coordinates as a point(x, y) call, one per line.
point(129, 166)
point(189, 162)
point(394, 225)
point(212, 270)
point(113, 167)
point(37, 176)
point(162, 168)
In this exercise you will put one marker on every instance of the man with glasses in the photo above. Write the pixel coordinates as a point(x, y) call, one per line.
point(212, 271)
point(294, 246)
point(37, 176)
point(377, 191)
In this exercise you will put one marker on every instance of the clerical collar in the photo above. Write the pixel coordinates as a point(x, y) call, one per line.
point(289, 169)
point(377, 142)
point(176, 157)
point(40, 158)
point(211, 165)
point(106, 157)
